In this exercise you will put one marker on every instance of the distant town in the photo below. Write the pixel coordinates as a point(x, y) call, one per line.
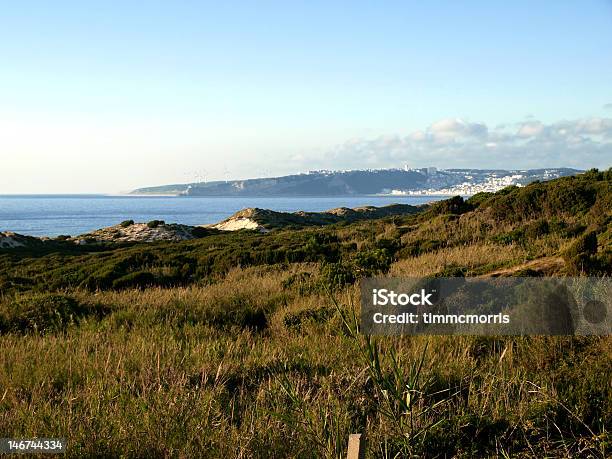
point(472, 181)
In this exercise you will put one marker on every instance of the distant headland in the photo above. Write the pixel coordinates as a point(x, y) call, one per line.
point(401, 182)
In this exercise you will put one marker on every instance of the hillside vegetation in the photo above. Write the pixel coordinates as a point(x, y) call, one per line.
point(265, 219)
point(243, 344)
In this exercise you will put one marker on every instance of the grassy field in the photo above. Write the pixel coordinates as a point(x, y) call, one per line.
point(244, 345)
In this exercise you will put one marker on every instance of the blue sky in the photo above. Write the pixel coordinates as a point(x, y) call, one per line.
point(109, 96)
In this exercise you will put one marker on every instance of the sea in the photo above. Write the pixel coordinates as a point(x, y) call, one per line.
point(54, 215)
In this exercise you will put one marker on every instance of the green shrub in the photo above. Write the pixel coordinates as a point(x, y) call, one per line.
point(390, 245)
point(416, 248)
point(573, 230)
point(604, 262)
point(586, 244)
point(517, 235)
point(321, 246)
point(200, 231)
point(139, 279)
point(41, 313)
point(224, 313)
point(302, 282)
point(579, 256)
point(239, 312)
point(455, 205)
point(372, 262)
point(126, 223)
point(410, 250)
point(452, 271)
point(479, 198)
point(155, 223)
point(103, 278)
point(537, 229)
point(295, 320)
point(525, 233)
point(334, 276)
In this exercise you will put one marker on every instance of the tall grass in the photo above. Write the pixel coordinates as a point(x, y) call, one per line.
point(162, 375)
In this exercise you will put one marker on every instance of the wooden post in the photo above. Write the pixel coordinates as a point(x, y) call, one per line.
point(356, 450)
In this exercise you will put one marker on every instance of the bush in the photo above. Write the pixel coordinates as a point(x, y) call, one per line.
point(579, 256)
point(521, 235)
point(321, 246)
point(517, 235)
point(295, 320)
point(419, 247)
point(537, 229)
point(140, 280)
point(390, 245)
point(334, 276)
point(226, 312)
point(479, 198)
point(102, 278)
point(155, 223)
point(455, 205)
point(372, 262)
point(586, 244)
point(41, 313)
point(239, 314)
point(604, 263)
point(452, 271)
point(126, 223)
point(200, 231)
point(302, 282)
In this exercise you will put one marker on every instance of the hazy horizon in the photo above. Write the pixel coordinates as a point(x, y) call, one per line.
point(112, 97)
point(129, 192)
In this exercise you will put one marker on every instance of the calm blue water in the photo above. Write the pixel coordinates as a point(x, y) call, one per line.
point(52, 215)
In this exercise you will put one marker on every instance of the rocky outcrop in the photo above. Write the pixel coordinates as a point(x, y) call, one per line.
point(141, 232)
point(133, 232)
point(238, 223)
point(10, 240)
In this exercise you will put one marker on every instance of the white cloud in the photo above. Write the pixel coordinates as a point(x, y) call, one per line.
point(452, 142)
point(595, 126)
point(530, 129)
point(457, 127)
point(418, 136)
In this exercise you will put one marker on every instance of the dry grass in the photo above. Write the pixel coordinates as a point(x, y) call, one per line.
point(147, 381)
point(490, 256)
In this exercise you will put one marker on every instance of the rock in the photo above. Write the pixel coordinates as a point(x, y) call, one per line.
point(10, 240)
point(138, 232)
point(238, 223)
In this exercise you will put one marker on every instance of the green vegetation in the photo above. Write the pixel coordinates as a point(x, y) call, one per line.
point(246, 345)
point(270, 219)
point(155, 223)
point(42, 313)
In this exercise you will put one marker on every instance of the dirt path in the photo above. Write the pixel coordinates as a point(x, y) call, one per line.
point(543, 266)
